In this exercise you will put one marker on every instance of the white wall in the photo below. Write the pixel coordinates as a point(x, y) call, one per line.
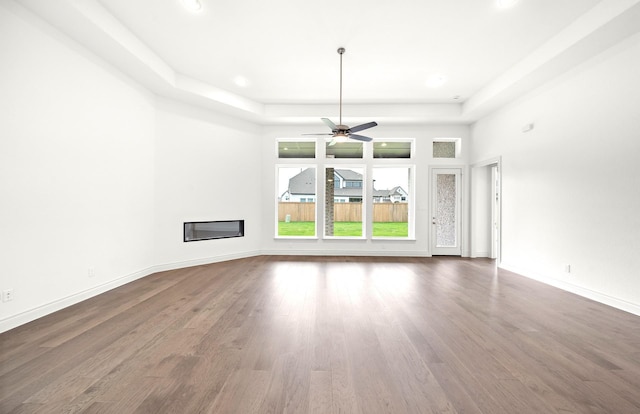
point(97, 175)
point(76, 172)
point(422, 160)
point(571, 185)
point(208, 167)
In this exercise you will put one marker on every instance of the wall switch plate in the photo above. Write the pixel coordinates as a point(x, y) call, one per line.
point(567, 268)
point(7, 295)
point(91, 272)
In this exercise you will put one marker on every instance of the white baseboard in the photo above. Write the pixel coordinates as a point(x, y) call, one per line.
point(51, 307)
point(342, 252)
point(205, 261)
point(614, 302)
point(46, 309)
point(27, 316)
point(480, 254)
point(32, 314)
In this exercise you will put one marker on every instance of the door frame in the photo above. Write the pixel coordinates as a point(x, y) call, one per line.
point(447, 251)
point(495, 213)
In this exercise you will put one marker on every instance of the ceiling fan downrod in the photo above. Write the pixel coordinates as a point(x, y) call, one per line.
point(342, 131)
point(341, 51)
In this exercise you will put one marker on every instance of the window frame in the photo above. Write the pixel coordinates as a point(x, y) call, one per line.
point(365, 166)
point(363, 214)
point(458, 148)
point(411, 195)
point(412, 149)
point(302, 166)
point(296, 140)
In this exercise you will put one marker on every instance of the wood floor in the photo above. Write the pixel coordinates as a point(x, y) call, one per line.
point(327, 335)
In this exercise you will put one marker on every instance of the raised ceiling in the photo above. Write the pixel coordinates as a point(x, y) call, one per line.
point(286, 51)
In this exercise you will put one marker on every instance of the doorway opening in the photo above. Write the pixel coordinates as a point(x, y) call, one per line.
point(486, 206)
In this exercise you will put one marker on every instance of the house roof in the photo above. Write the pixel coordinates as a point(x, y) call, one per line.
point(348, 175)
point(397, 190)
point(304, 183)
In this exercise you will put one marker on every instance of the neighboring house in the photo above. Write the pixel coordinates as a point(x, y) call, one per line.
point(302, 187)
point(395, 195)
point(347, 188)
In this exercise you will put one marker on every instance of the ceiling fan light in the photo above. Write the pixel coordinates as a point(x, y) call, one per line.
point(341, 132)
point(338, 138)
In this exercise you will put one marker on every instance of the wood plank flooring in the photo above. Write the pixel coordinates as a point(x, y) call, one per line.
point(327, 335)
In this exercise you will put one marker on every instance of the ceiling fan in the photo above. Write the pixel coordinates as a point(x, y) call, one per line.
point(340, 131)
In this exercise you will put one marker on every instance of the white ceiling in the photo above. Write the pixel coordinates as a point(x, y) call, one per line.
point(286, 49)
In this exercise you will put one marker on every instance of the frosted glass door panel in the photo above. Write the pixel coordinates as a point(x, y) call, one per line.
point(446, 210)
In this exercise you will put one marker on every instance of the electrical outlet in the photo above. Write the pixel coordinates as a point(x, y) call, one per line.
point(91, 272)
point(567, 268)
point(7, 295)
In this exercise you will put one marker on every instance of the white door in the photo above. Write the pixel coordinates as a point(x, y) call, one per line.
point(446, 207)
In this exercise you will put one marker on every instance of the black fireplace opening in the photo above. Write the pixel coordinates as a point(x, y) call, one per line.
point(208, 230)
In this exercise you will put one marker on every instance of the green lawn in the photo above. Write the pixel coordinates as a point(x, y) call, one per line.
point(296, 228)
point(391, 229)
point(343, 228)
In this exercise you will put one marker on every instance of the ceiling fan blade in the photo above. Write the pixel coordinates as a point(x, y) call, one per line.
point(360, 137)
point(363, 126)
point(329, 123)
point(332, 143)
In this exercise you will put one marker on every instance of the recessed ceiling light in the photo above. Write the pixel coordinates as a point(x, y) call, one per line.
point(505, 4)
point(241, 81)
point(436, 81)
point(193, 6)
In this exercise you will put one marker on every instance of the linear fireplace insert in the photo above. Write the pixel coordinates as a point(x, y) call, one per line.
point(207, 230)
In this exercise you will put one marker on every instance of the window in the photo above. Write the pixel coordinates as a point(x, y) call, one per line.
point(343, 205)
point(352, 203)
point(391, 192)
point(392, 149)
point(344, 149)
point(296, 149)
point(296, 201)
point(446, 147)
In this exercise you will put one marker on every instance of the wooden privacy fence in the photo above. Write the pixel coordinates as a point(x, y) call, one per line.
point(297, 211)
point(382, 212)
